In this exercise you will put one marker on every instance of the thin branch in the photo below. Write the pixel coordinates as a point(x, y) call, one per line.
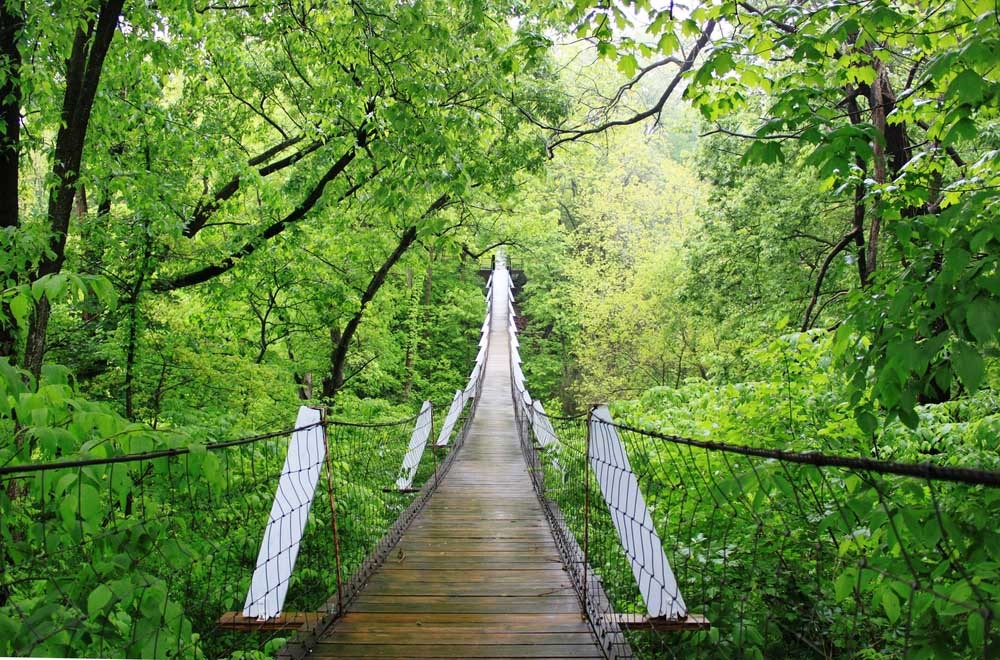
point(208, 272)
point(642, 72)
point(955, 158)
point(746, 136)
point(818, 239)
point(569, 135)
point(784, 27)
point(837, 249)
point(204, 210)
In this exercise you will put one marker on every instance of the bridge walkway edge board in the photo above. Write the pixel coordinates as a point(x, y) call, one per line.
point(475, 571)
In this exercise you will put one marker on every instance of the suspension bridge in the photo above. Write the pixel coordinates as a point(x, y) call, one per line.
point(518, 534)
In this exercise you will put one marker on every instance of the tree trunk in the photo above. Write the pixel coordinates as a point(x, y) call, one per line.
point(83, 75)
point(339, 357)
point(11, 24)
point(329, 389)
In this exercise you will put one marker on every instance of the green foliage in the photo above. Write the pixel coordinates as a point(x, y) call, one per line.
point(805, 558)
point(610, 270)
point(883, 119)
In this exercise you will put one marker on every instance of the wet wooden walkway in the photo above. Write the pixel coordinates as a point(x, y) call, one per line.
point(477, 574)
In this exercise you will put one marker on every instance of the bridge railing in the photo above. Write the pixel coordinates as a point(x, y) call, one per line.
point(138, 554)
point(787, 554)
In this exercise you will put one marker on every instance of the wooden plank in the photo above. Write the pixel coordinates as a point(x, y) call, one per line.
point(473, 649)
point(486, 545)
point(285, 620)
point(451, 621)
point(420, 618)
point(559, 602)
point(533, 536)
point(435, 588)
point(660, 624)
point(482, 551)
point(467, 635)
point(460, 565)
point(470, 576)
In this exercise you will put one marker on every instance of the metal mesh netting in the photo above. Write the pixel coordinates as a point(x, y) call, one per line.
point(783, 555)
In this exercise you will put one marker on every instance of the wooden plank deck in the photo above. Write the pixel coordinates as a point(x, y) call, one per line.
point(477, 574)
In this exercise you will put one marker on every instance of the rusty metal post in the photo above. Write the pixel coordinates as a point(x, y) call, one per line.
point(586, 509)
point(333, 516)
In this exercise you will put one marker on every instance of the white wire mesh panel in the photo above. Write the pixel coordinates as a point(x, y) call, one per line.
point(541, 424)
point(632, 521)
point(287, 520)
point(457, 403)
point(418, 440)
point(518, 376)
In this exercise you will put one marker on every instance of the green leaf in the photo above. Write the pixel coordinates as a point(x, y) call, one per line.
point(104, 290)
point(607, 49)
point(976, 627)
point(963, 129)
point(844, 585)
point(764, 152)
point(967, 87)
point(690, 28)
point(19, 307)
point(668, 43)
point(723, 62)
point(98, 600)
point(982, 319)
point(890, 603)
point(124, 590)
point(908, 415)
point(862, 74)
point(90, 503)
point(968, 364)
point(8, 631)
point(628, 65)
point(153, 600)
point(867, 422)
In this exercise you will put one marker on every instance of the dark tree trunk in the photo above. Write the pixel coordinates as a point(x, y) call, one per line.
point(339, 356)
point(11, 24)
point(329, 389)
point(83, 75)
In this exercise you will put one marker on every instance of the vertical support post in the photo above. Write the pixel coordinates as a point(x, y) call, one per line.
point(586, 509)
point(430, 441)
point(333, 516)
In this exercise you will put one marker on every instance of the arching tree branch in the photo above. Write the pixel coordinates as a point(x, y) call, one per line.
point(564, 135)
point(208, 272)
